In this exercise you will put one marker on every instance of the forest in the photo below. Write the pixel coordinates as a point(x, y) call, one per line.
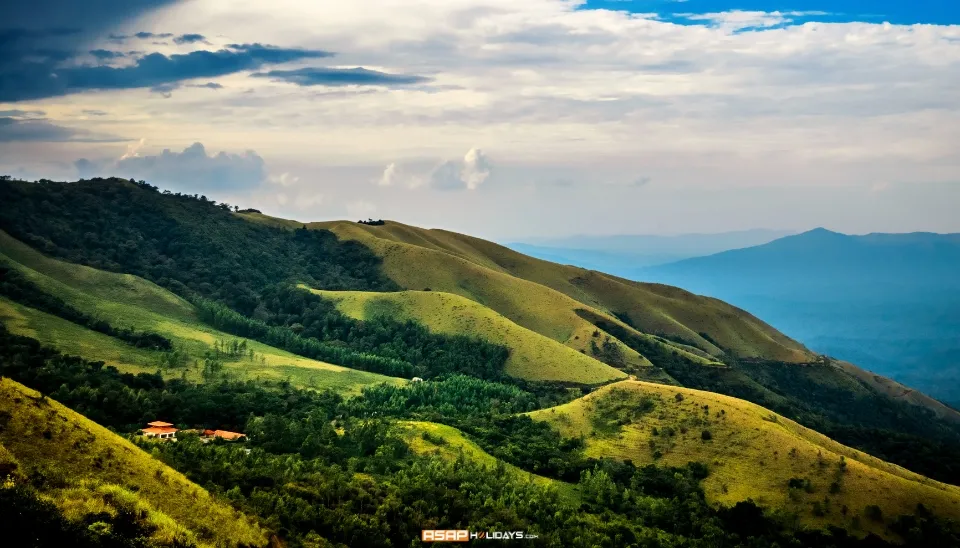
point(363, 485)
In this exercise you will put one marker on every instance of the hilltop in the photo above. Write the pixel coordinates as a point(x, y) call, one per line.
point(754, 454)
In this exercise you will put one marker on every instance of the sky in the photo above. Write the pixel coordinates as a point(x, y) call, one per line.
point(498, 118)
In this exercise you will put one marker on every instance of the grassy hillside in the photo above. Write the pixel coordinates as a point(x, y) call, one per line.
point(752, 453)
point(425, 265)
point(412, 256)
point(450, 443)
point(532, 356)
point(85, 469)
point(130, 301)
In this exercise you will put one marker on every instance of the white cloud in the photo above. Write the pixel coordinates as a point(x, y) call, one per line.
point(284, 179)
point(468, 173)
point(476, 168)
point(194, 170)
point(389, 176)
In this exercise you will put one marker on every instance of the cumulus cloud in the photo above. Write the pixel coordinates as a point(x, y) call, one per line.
point(325, 76)
point(389, 176)
point(468, 173)
point(284, 179)
point(194, 170)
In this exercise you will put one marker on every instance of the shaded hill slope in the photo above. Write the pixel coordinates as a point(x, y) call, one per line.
point(84, 468)
point(752, 452)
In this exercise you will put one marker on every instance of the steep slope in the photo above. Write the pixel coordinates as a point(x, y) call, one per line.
point(84, 468)
point(130, 301)
point(752, 453)
point(416, 258)
point(532, 356)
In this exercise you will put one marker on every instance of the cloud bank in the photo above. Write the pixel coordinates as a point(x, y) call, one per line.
point(191, 170)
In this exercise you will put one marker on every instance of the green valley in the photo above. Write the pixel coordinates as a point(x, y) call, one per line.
point(390, 379)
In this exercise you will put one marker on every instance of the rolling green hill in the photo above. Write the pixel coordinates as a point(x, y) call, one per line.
point(416, 258)
point(532, 356)
point(85, 469)
point(98, 267)
point(753, 454)
point(131, 301)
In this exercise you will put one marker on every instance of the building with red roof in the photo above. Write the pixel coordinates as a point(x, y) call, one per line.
point(160, 430)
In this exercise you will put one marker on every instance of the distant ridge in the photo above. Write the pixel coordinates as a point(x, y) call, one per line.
point(888, 302)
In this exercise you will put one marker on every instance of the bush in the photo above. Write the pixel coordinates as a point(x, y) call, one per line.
point(706, 435)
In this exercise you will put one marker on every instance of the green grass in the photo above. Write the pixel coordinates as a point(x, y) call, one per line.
point(90, 469)
point(129, 301)
point(532, 356)
point(449, 443)
point(541, 295)
point(752, 454)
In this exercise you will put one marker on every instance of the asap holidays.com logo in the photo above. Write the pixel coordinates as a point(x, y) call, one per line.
point(464, 535)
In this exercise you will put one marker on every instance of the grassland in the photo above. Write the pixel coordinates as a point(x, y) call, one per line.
point(450, 443)
point(532, 356)
point(89, 469)
point(129, 301)
point(752, 453)
point(526, 303)
point(417, 258)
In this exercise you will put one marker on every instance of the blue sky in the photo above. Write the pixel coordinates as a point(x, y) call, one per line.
point(898, 12)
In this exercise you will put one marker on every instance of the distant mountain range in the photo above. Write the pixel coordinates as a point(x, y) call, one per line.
point(625, 255)
point(888, 302)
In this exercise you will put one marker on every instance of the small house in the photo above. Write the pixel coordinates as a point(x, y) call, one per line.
point(226, 435)
point(160, 430)
point(416, 379)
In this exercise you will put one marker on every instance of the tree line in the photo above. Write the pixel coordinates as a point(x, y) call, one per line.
point(17, 287)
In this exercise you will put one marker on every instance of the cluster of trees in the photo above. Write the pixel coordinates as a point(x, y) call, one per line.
point(371, 222)
point(17, 287)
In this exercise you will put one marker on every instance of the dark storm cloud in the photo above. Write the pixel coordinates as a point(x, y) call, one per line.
point(190, 38)
point(322, 76)
point(26, 75)
point(146, 35)
point(90, 14)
